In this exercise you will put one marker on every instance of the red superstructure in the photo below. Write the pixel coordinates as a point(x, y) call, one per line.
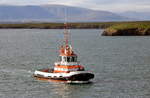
point(68, 59)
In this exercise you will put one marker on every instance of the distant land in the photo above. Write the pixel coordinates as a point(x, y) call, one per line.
point(134, 28)
point(79, 25)
point(56, 13)
point(90, 25)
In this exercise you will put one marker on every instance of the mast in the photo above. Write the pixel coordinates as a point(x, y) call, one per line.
point(66, 49)
point(66, 34)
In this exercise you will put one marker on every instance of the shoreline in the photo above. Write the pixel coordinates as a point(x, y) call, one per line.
point(131, 28)
point(80, 25)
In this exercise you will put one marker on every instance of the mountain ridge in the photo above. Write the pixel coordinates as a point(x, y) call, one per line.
point(139, 15)
point(56, 13)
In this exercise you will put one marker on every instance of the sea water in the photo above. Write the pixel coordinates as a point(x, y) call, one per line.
point(121, 64)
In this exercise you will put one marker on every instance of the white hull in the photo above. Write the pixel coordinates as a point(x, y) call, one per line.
point(71, 77)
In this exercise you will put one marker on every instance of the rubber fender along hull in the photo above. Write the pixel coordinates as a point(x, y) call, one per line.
point(82, 77)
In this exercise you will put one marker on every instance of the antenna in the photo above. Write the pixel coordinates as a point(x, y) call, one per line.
point(66, 35)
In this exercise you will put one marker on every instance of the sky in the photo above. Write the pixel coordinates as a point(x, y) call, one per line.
point(109, 5)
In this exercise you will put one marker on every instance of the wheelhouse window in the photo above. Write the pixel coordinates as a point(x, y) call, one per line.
point(74, 59)
point(65, 59)
point(68, 59)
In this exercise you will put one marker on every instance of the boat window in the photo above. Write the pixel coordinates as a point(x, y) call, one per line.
point(73, 59)
point(68, 59)
point(65, 59)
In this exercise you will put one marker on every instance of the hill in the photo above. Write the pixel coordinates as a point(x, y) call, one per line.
point(137, 15)
point(55, 13)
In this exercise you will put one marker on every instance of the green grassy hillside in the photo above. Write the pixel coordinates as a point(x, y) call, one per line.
point(128, 28)
point(129, 25)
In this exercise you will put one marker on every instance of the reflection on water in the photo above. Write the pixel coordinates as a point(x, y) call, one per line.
point(121, 64)
point(71, 90)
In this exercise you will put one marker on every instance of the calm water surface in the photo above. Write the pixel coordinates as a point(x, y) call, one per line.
point(121, 64)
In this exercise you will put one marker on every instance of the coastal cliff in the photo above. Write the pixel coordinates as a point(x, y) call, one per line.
point(128, 29)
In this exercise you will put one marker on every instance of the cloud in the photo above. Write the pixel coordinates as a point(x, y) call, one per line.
point(70, 2)
point(38, 2)
point(22, 2)
point(123, 7)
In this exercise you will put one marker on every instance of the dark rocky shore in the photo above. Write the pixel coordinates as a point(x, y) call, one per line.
point(126, 32)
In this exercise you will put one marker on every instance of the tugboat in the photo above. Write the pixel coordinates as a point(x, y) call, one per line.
point(67, 69)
